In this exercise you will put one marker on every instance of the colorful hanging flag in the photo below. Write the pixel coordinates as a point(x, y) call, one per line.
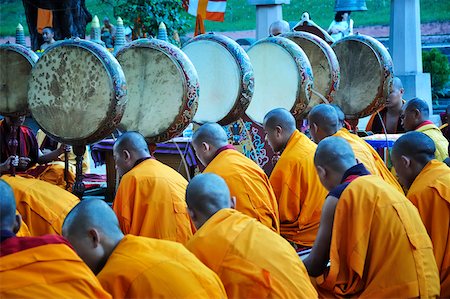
point(212, 10)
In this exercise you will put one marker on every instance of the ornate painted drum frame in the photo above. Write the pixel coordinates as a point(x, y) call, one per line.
point(190, 85)
point(304, 69)
point(117, 82)
point(332, 61)
point(247, 79)
point(387, 73)
point(32, 58)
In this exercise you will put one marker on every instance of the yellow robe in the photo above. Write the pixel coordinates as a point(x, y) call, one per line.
point(251, 260)
point(430, 193)
point(298, 190)
point(379, 247)
point(23, 231)
point(43, 206)
point(143, 267)
point(440, 141)
point(368, 156)
point(249, 184)
point(150, 202)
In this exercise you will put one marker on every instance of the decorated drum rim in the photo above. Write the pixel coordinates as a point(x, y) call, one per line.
point(304, 68)
point(246, 78)
point(332, 60)
point(117, 83)
point(32, 58)
point(387, 73)
point(190, 85)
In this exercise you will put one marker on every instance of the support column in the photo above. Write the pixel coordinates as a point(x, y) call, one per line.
point(267, 12)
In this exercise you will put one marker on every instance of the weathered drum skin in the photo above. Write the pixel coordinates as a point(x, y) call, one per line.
point(324, 64)
point(163, 89)
point(226, 78)
point(77, 92)
point(283, 77)
point(366, 74)
point(16, 62)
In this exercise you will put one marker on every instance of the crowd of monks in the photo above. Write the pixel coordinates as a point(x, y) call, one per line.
point(233, 231)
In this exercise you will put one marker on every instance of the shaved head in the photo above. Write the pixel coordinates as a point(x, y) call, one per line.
point(415, 145)
point(323, 121)
point(211, 133)
point(414, 113)
point(279, 125)
point(336, 153)
point(418, 104)
point(7, 207)
point(397, 83)
point(340, 114)
point(279, 27)
point(206, 194)
point(128, 149)
point(132, 141)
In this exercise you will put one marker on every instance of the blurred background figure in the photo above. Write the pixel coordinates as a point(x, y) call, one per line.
point(279, 27)
point(48, 35)
point(341, 26)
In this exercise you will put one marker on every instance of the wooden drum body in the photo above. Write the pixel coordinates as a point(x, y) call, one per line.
point(366, 75)
point(283, 78)
point(226, 78)
point(163, 89)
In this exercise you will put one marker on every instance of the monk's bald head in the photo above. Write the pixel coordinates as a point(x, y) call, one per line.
point(206, 194)
point(279, 125)
point(333, 157)
point(414, 113)
point(279, 27)
point(128, 149)
point(207, 140)
point(8, 219)
point(323, 122)
point(340, 114)
point(93, 230)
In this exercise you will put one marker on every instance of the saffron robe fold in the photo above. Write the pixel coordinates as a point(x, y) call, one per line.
point(298, 190)
point(430, 193)
point(249, 184)
point(251, 260)
point(150, 202)
point(379, 246)
point(441, 143)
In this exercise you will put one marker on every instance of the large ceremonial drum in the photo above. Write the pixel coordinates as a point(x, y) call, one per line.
point(366, 74)
point(324, 64)
point(77, 92)
point(226, 78)
point(16, 62)
point(283, 77)
point(163, 89)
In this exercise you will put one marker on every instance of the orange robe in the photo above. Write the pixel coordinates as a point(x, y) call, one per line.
point(43, 206)
point(150, 202)
point(23, 231)
point(249, 184)
point(142, 267)
point(49, 270)
point(251, 260)
point(430, 193)
point(379, 246)
point(368, 156)
point(299, 193)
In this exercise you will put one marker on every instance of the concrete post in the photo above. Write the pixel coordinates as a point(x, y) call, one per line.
point(267, 12)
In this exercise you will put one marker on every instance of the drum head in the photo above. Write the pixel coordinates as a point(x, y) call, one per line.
point(366, 72)
point(162, 89)
point(283, 77)
point(226, 78)
point(16, 62)
point(324, 64)
point(77, 92)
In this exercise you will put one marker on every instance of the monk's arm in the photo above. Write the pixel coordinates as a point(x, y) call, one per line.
point(51, 156)
point(317, 261)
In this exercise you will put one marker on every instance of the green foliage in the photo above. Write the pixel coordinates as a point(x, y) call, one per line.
point(436, 63)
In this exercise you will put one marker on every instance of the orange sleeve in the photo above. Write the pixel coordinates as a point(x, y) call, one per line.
point(124, 202)
point(44, 19)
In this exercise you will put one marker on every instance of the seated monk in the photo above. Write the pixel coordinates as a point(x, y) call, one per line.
point(39, 267)
point(251, 260)
point(415, 118)
point(245, 179)
point(390, 114)
point(132, 266)
point(324, 122)
point(294, 179)
point(370, 233)
point(29, 155)
point(150, 200)
point(43, 206)
point(428, 184)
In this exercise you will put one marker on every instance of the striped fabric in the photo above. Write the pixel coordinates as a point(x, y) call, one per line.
point(213, 10)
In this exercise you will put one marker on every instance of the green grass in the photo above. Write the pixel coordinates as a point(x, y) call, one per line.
point(241, 16)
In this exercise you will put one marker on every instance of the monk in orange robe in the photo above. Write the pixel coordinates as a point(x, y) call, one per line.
point(133, 266)
point(245, 179)
point(428, 184)
point(294, 179)
point(43, 206)
point(370, 233)
point(150, 200)
point(251, 260)
point(324, 122)
point(39, 267)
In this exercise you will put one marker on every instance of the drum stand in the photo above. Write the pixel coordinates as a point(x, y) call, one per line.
point(78, 186)
point(13, 143)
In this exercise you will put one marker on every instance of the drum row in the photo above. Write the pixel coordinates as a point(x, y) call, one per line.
point(79, 93)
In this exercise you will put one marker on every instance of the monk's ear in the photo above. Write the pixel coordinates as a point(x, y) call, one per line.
point(321, 171)
point(278, 131)
point(94, 237)
point(17, 223)
point(126, 155)
point(233, 202)
point(205, 146)
point(406, 161)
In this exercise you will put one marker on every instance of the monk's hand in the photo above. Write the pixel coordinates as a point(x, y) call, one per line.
point(64, 148)
point(11, 161)
point(24, 161)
